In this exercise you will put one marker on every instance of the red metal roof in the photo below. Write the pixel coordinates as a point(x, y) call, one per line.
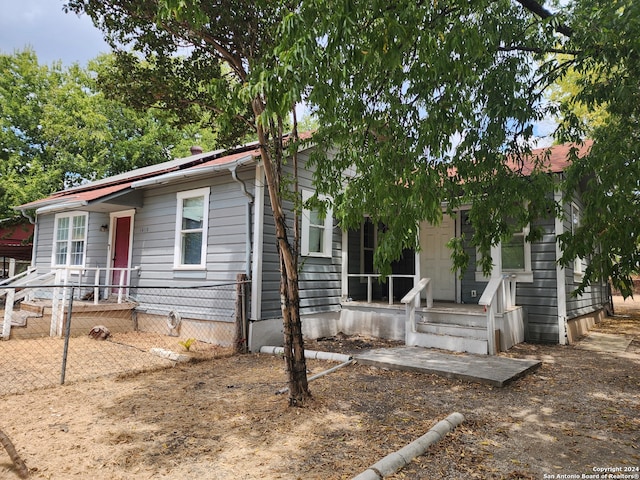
point(554, 159)
point(94, 191)
point(227, 159)
point(72, 196)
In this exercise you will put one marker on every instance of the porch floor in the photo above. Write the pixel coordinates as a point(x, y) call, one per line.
point(492, 370)
point(472, 308)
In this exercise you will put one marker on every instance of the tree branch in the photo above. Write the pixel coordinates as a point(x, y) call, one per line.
point(21, 468)
point(521, 48)
point(537, 9)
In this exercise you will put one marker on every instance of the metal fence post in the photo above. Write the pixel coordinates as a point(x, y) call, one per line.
point(67, 334)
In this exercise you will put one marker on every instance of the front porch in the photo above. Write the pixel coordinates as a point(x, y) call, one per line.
point(444, 325)
point(37, 304)
point(424, 301)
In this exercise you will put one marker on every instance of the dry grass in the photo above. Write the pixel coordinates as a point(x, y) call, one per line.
point(220, 419)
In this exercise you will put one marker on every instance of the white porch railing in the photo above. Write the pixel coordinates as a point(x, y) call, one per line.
point(61, 279)
point(498, 297)
point(22, 281)
point(373, 276)
point(412, 301)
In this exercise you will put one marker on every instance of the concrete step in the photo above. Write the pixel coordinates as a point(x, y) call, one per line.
point(450, 317)
point(477, 332)
point(448, 342)
point(19, 318)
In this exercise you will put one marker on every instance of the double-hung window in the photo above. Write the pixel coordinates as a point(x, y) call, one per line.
point(515, 256)
point(516, 253)
point(316, 230)
point(70, 239)
point(191, 229)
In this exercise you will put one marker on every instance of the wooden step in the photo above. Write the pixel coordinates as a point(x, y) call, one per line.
point(32, 307)
point(450, 317)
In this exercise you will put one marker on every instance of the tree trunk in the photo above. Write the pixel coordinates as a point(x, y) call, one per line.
point(289, 291)
point(293, 342)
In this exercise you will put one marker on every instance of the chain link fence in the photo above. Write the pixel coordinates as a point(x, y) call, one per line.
point(60, 334)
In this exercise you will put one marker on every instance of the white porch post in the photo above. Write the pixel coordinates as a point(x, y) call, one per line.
point(258, 243)
point(561, 287)
point(496, 258)
point(8, 313)
point(418, 274)
point(345, 265)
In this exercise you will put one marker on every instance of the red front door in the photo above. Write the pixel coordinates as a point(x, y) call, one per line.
point(121, 249)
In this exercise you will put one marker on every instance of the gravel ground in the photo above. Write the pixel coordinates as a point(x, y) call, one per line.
point(220, 419)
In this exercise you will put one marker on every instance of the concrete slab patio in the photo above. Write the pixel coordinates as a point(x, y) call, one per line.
point(492, 370)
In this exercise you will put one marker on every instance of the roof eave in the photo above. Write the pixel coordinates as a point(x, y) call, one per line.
point(181, 175)
point(60, 207)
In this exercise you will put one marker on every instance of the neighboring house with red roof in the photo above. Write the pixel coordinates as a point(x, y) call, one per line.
point(203, 219)
point(15, 242)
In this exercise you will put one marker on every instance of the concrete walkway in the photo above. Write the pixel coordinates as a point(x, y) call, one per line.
point(492, 370)
point(605, 342)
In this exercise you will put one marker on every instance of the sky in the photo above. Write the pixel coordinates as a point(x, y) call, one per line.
point(51, 33)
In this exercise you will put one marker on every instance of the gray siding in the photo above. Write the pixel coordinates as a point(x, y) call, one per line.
point(539, 298)
point(43, 242)
point(594, 296)
point(154, 234)
point(270, 265)
point(468, 282)
point(320, 287)
point(153, 248)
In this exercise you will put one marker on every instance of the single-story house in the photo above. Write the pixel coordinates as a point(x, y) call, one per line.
point(205, 218)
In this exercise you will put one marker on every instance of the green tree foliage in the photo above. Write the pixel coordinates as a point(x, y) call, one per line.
point(217, 57)
point(58, 130)
point(606, 41)
point(425, 100)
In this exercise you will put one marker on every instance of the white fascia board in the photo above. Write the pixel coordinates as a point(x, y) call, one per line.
point(191, 172)
point(58, 207)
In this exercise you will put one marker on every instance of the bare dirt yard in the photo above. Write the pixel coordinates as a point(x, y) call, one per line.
point(221, 419)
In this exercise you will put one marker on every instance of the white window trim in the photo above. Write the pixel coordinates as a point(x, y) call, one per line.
point(524, 275)
point(327, 229)
point(177, 253)
point(70, 215)
point(578, 263)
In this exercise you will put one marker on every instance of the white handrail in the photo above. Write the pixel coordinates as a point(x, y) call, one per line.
point(412, 300)
point(498, 297)
point(16, 277)
point(27, 282)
